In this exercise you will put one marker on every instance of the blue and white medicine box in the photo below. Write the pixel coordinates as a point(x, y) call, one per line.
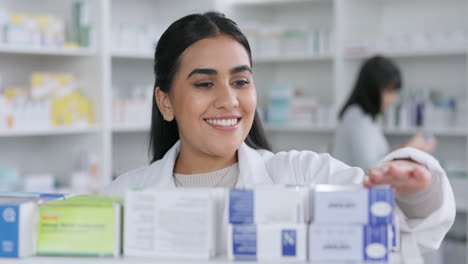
point(18, 227)
point(353, 205)
point(273, 242)
point(349, 242)
point(269, 205)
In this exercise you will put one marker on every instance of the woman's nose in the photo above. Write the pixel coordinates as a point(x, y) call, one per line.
point(226, 98)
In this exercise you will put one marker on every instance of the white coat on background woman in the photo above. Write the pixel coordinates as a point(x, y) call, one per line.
point(359, 138)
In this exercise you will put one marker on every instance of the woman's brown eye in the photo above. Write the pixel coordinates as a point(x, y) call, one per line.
point(204, 85)
point(241, 83)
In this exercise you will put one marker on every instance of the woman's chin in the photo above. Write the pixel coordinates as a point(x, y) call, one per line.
point(223, 149)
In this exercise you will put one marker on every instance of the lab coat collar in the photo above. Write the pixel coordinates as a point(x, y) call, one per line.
point(251, 166)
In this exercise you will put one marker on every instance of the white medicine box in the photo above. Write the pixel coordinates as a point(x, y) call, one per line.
point(267, 242)
point(269, 205)
point(349, 242)
point(179, 223)
point(351, 204)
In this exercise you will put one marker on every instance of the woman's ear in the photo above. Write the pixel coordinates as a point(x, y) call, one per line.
point(164, 104)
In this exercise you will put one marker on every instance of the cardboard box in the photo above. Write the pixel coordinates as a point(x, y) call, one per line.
point(85, 225)
point(18, 226)
point(349, 242)
point(353, 205)
point(269, 205)
point(178, 223)
point(267, 242)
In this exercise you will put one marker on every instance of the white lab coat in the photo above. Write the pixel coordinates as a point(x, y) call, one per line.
point(260, 167)
point(359, 140)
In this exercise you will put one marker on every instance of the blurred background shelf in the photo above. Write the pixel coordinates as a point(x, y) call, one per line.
point(411, 54)
point(72, 52)
point(133, 55)
point(294, 58)
point(130, 128)
point(50, 132)
point(448, 132)
point(276, 2)
point(294, 128)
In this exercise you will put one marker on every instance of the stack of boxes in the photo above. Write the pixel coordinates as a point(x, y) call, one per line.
point(268, 223)
point(352, 223)
point(322, 223)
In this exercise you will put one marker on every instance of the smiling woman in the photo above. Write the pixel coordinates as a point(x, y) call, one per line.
point(205, 132)
point(213, 101)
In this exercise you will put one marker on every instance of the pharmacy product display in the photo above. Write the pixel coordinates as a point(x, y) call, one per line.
point(46, 31)
point(135, 38)
point(427, 109)
point(84, 178)
point(52, 100)
point(134, 109)
point(264, 223)
point(410, 42)
point(288, 107)
point(269, 40)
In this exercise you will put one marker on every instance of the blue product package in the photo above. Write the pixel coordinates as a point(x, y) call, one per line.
point(381, 206)
point(241, 206)
point(244, 242)
point(375, 243)
point(9, 230)
point(289, 241)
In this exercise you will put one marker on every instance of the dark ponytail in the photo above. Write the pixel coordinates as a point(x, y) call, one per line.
point(178, 37)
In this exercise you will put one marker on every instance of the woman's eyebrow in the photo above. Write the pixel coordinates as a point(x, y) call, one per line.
point(214, 72)
point(241, 69)
point(202, 71)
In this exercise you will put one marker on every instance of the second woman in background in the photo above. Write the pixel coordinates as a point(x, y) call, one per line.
point(359, 139)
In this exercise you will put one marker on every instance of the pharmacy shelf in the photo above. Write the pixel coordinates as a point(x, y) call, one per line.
point(453, 132)
point(276, 2)
point(456, 132)
point(410, 54)
point(130, 128)
point(49, 132)
point(294, 58)
point(292, 128)
point(132, 55)
point(74, 52)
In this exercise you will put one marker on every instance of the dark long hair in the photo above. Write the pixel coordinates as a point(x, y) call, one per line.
point(376, 74)
point(178, 37)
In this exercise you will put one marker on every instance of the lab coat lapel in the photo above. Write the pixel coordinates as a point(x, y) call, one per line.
point(165, 168)
point(252, 168)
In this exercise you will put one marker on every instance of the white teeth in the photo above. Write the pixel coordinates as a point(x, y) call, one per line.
point(222, 122)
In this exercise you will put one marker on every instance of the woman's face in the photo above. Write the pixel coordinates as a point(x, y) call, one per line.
point(389, 96)
point(213, 97)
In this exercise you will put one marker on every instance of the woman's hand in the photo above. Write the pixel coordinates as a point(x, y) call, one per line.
point(406, 177)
